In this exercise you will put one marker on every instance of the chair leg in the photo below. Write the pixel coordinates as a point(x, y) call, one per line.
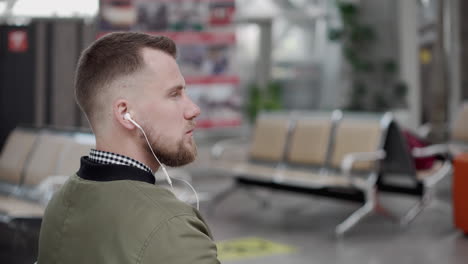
point(385, 212)
point(369, 206)
point(416, 209)
point(218, 198)
point(428, 196)
point(354, 218)
point(264, 202)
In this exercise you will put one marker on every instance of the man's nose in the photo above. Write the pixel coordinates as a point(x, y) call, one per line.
point(192, 110)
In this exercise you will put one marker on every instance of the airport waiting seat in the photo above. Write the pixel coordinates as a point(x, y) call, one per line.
point(265, 152)
point(267, 149)
point(34, 163)
point(65, 165)
point(44, 158)
point(55, 159)
point(356, 147)
point(334, 158)
point(69, 161)
point(15, 155)
point(309, 148)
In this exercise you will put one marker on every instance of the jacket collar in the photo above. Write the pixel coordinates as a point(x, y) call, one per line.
point(93, 171)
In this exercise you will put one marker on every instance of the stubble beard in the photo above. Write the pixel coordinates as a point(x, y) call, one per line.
point(183, 154)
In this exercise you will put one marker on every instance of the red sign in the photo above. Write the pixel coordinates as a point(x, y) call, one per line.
point(221, 13)
point(17, 41)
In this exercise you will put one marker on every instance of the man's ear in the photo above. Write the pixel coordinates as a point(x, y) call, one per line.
point(120, 108)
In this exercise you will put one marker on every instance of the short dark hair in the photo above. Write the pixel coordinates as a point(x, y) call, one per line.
point(110, 57)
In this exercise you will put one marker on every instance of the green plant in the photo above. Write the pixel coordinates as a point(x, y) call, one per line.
point(263, 99)
point(357, 39)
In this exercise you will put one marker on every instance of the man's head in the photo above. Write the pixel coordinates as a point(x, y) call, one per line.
point(137, 73)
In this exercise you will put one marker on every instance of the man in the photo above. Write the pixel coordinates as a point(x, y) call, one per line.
point(111, 211)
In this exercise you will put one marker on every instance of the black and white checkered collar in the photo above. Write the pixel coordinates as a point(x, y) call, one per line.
point(105, 157)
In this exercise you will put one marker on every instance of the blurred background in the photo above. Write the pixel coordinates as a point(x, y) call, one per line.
point(245, 61)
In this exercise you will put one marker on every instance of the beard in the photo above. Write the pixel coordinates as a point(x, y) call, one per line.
point(181, 155)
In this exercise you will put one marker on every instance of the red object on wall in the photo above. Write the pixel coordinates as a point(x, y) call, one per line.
point(222, 13)
point(18, 41)
point(460, 192)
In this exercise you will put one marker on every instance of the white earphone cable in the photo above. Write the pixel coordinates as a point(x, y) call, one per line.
point(162, 166)
point(154, 155)
point(193, 189)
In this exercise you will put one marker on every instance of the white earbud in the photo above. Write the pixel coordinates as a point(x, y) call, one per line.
point(128, 117)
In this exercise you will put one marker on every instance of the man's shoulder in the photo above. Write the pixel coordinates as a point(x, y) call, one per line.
point(159, 200)
point(132, 197)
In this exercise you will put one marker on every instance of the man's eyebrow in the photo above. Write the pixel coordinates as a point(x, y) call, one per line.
point(176, 88)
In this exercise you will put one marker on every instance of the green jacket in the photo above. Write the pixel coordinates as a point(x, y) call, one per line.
point(115, 214)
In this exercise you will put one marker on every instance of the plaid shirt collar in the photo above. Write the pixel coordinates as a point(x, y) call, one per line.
point(105, 157)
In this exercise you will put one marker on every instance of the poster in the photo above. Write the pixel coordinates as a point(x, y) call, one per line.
point(205, 36)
